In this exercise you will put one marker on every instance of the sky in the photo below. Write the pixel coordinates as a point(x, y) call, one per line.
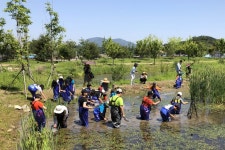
point(131, 20)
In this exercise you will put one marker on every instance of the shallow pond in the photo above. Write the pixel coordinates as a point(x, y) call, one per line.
point(204, 132)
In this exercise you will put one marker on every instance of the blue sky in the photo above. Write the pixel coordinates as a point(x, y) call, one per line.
point(131, 20)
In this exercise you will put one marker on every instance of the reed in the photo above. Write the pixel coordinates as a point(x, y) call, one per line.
point(31, 139)
point(206, 84)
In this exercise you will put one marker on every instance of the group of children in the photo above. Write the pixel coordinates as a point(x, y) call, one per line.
point(167, 112)
point(64, 88)
point(98, 100)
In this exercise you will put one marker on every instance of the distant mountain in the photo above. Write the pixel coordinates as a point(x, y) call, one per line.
point(99, 40)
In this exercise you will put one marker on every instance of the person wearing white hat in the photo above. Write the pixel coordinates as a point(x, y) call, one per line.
point(178, 100)
point(117, 108)
point(60, 116)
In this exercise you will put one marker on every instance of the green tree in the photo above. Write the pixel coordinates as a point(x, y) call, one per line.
point(8, 45)
point(40, 47)
point(88, 50)
point(220, 45)
point(150, 46)
point(155, 46)
point(191, 48)
point(172, 46)
point(67, 50)
point(141, 48)
point(54, 32)
point(20, 14)
point(112, 49)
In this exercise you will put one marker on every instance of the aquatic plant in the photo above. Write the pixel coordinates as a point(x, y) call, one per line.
point(206, 86)
point(32, 139)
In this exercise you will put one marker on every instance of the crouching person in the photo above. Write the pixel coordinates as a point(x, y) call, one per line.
point(99, 111)
point(166, 112)
point(60, 116)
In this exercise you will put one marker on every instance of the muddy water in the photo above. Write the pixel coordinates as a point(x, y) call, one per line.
point(204, 132)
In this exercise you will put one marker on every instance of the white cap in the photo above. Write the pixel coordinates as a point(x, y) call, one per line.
point(119, 90)
point(179, 93)
point(60, 77)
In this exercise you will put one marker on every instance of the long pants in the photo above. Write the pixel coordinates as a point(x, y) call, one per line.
point(164, 114)
point(144, 112)
point(39, 117)
point(132, 79)
point(83, 114)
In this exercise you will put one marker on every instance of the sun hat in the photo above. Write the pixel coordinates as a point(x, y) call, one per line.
point(105, 80)
point(179, 93)
point(58, 109)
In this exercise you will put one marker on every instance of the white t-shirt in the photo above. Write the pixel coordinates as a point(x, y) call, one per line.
point(133, 70)
point(178, 67)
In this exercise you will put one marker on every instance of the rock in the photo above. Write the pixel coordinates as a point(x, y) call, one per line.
point(9, 130)
point(17, 107)
point(26, 108)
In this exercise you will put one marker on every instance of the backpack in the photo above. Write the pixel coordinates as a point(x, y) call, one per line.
point(91, 75)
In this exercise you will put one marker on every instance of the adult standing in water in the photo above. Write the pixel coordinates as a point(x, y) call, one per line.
point(117, 108)
point(83, 108)
point(145, 106)
point(87, 74)
point(132, 73)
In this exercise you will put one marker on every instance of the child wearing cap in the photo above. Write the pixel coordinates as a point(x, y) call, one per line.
point(178, 100)
point(117, 108)
point(145, 106)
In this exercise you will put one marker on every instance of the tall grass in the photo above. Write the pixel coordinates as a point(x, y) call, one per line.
point(32, 139)
point(206, 84)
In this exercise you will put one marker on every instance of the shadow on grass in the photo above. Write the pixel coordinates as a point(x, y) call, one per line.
point(11, 89)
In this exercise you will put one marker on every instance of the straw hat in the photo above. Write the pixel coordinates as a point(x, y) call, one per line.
point(58, 109)
point(105, 80)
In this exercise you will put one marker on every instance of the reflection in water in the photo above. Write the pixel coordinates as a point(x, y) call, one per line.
point(145, 131)
point(204, 132)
